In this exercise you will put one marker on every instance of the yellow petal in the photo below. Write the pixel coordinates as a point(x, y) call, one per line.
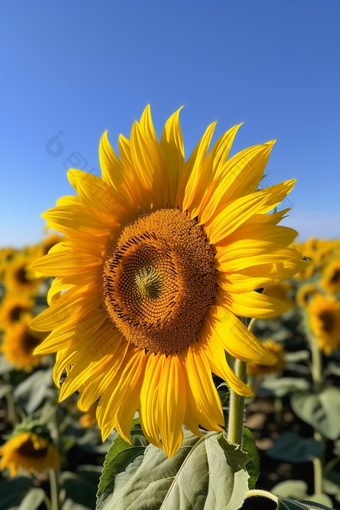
point(113, 170)
point(252, 304)
point(65, 262)
point(149, 166)
point(71, 307)
point(172, 148)
point(202, 386)
point(240, 176)
point(172, 403)
point(149, 399)
point(99, 198)
point(236, 338)
point(251, 252)
point(69, 219)
point(193, 168)
point(218, 364)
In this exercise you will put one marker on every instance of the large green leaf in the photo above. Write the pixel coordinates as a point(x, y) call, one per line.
point(291, 447)
point(283, 385)
point(253, 465)
point(294, 504)
point(321, 411)
point(207, 473)
point(32, 500)
point(13, 491)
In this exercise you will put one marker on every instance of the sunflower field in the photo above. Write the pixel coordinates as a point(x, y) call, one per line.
point(168, 345)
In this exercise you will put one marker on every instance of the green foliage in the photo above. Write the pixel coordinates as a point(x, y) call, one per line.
point(253, 465)
point(322, 411)
point(32, 500)
point(291, 447)
point(205, 473)
point(32, 391)
point(14, 491)
point(81, 490)
point(291, 504)
point(283, 385)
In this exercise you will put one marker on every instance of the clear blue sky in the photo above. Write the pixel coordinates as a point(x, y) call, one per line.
point(86, 66)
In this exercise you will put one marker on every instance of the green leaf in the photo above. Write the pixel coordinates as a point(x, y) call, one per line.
point(204, 473)
point(90, 473)
point(291, 489)
point(88, 440)
point(253, 465)
point(224, 391)
point(331, 484)
point(321, 498)
point(291, 504)
point(293, 357)
point(334, 368)
point(283, 385)
point(71, 505)
point(4, 389)
point(291, 447)
point(32, 500)
point(5, 367)
point(13, 491)
point(32, 391)
point(321, 411)
point(119, 456)
point(78, 489)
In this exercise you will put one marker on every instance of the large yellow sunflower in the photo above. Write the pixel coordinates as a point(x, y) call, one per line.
point(19, 342)
point(13, 307)
point(31, 451)
point(324, 314)
point(160, 258)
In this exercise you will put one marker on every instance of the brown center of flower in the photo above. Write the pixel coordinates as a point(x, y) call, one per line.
point(16, 312)
point(29, 342)
point(22, 275)
point(336, 276)
point(27, 449)
point(327, 320)
point(159, 281)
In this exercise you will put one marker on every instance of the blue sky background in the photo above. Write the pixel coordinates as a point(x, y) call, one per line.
point(86, 66)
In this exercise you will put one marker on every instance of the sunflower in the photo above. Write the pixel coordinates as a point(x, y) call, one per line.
point(19, 275)
point(258, 369)
point(324, 315)
point(160, 258)
point(305, 294)
point(13, 308)
point(279, 291)
point(31, 451)
point(19, 342)
point(331, 277)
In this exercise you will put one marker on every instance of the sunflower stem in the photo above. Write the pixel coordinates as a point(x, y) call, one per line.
point(47, 502)
point(54, 489)
point(235, 424)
